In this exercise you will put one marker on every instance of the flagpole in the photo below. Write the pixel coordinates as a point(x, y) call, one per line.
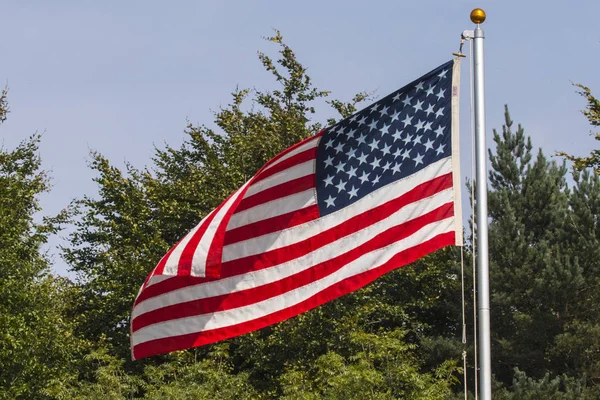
point(483, 291)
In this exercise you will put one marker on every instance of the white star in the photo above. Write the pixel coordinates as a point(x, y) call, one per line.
point(396, 97)
point(364, 177)
point(375, 162)
point(339, 148)
point(361, 139)
point(440, 94)
point(397, 135)
point(430, 90)
point(387, 166)
point(373, 125)
point(418, 159)
point(384, 111)
point(407, 139)
point(329, 143)
point(406, 154)
point(439, 113)
point(385, 129)
point(419, 86)
point(428, 144)
point(386, 149)
point(419, 125)
point(374, 145)
point(427, 127)
point(440, 149)
point(351, 172)
point(439, 131)
point(407, 100)
point(418, 106)
point(353, 192)
point(354, 117)
point(330, 201)
point(443, 73)
point(407, 121)
point(340, 167)
point(375, 108)
point(429, 109)
point(397, 153)
point(363, 120)
point(395, 116)
point(351, 132)
point(363, 159)
point(350, 153)
point(376, 180)
point(396, 168)
point(329, 180)
point(341, 186)
point(329, 161)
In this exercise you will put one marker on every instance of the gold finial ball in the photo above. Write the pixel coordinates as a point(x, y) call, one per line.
point(477, 16)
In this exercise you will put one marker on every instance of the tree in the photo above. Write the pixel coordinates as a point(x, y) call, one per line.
point(37, 344)
point(544, 264)
point(370, 335)
point(592, 113)
point(548, 388)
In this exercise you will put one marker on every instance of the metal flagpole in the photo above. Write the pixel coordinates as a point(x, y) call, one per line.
point(483, 286)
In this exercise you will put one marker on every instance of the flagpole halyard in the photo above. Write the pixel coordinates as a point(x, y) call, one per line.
point(483, 297)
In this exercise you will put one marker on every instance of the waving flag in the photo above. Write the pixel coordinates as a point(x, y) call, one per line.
point(325, 217)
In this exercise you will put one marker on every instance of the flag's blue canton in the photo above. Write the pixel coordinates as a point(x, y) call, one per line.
point(389, 140)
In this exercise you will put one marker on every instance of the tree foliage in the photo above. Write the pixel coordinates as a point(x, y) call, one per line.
point(36, 338)
point(592, 113)
point(544, 264)
point(397, 338)
point(371, 336)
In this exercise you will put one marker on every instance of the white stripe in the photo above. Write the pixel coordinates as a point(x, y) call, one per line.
point(225, 318)
point(298, 233)
point(297, 171)
point(201, 252)
point(273, 208)
point(310, 144)
point(268, 275)
point(156, 279)
point(172, 264)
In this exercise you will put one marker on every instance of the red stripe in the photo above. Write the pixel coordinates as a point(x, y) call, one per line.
point(276, 192)
point(302, 278)
point(161, 264)
point(348, 285)
point(296, 159)
point(184, 267)
point(290, 149)
point(283, 254)
point(272, 224)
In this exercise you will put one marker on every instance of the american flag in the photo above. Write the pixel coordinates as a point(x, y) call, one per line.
point(325, 217)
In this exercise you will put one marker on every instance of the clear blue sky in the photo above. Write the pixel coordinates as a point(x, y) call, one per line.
point(122, 76)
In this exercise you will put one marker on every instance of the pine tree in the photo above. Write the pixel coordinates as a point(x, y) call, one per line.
point(544, 264)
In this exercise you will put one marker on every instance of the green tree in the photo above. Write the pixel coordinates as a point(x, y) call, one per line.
point(529, 274)
point(592, 113)
point(372, 334)
point(36, 340)
point(544, 264)
point(547, 388)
